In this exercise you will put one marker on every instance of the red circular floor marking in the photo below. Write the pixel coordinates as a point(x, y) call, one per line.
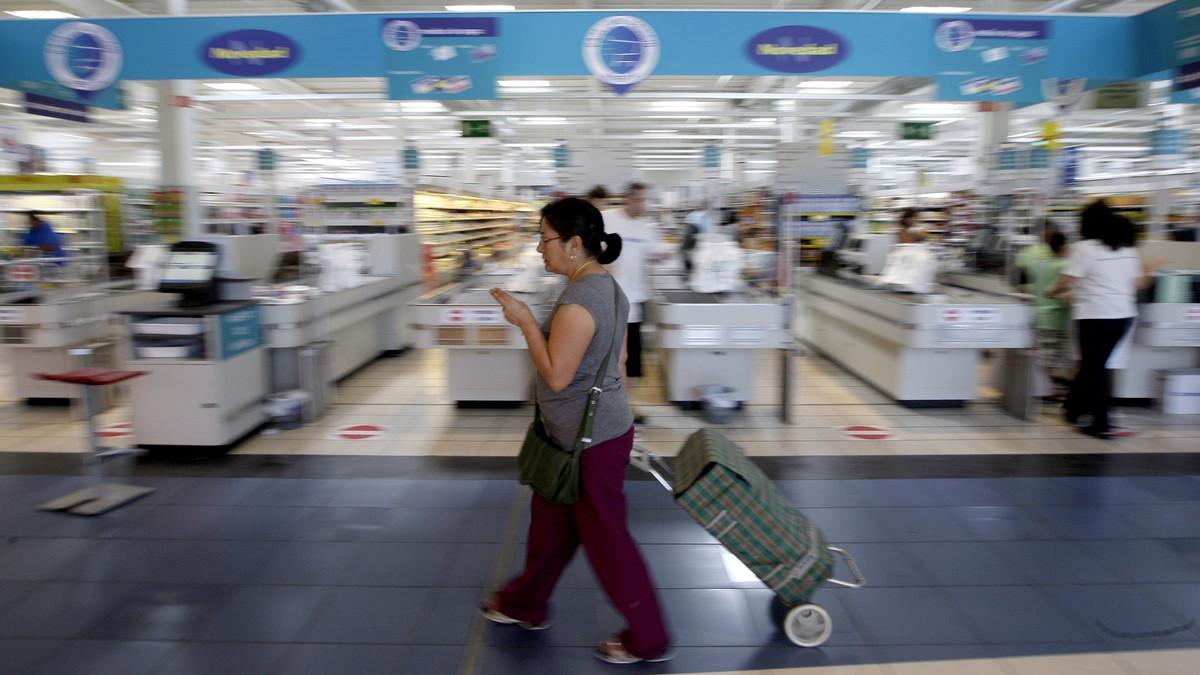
point(118, 430)
point(866, 433)
point(360, 432)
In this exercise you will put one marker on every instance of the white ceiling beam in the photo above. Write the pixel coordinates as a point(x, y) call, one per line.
point(583, 96)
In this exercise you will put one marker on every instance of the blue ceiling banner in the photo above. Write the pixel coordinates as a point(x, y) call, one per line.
point(991, 59)
point(622, 48)
point(441, 57)
point(1186, 47)
point(71, 111)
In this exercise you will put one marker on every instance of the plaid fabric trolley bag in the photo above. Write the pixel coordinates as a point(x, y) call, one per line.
point(723, 491)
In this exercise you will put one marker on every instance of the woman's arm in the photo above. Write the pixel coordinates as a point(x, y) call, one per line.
point(557, 359)
point(1062, 287)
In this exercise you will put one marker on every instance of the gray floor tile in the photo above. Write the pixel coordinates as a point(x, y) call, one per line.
point(1169, 488)
point(686, 566)
point(171, 521)
point(888, 616)
point(310, 563)
point(846, 526)
point(804, 494)
point(884, 565)
point(962, 564)
point(131, 560)
point(921, 524)
point(360, 659)
point(263, 523)
point(264, 614)
point(22, 656)
point(471, 565)
point(297, 492)
point(1003, 523)
point(965, 492)
point(348, 524)
point(60, 609)
point(373, 493)
point(40, 559)
point(457, 494)
point(419, 565)
point(1123, 614)
point(708, 617)
point(1185, 549)
point(12, 592)
point(661, 526)
point(404, 616)
point(1008, 615)
point(1055, 562)
point(194, 491)
point(96, 657)
point(579, 618)
point(1182, 599)
point(214, 562)
point(161, 612)
point(1092, 491)
point(1146, 561)
point(215, 658)
point(1088, 522)
point(1166, 520)
point(922, 653)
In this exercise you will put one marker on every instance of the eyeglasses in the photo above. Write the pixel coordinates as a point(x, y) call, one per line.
point(543, 241)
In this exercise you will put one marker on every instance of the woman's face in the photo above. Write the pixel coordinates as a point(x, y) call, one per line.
point(556, 251)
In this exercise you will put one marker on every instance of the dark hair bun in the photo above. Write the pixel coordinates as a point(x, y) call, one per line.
point(612, 248)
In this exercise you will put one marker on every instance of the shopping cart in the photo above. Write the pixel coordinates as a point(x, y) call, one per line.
point(730, 497)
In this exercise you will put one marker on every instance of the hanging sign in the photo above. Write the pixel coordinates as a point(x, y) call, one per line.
point(1070, 165)
point(1186, 87)
point(990, 59)
point(797, 49)
point(411, 158)
point(621, 51)
point(250, 53)
point(712, 157)
point(441, 57)
point(266, 159)
point(916, 131)
point(84, 57)
point(476, 128)
point(45, 106)
point(562, 156)
point(112, 98)
point(860, 158)
point(1120, 96)
point(1039, 157)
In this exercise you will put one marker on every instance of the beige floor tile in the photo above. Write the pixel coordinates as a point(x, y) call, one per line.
point(1166, 662)
point(1066, 664)
point(957, 667)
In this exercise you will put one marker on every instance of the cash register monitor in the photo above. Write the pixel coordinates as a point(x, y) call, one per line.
point(190, 270)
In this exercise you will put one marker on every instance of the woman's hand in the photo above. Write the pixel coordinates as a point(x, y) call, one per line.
point(515, 312)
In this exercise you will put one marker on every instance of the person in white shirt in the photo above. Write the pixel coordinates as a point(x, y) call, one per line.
point(696, 223)
point(1103, 275)
point(640, 248)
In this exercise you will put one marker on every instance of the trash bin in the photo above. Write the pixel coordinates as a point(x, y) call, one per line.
point(719, 402)
point(286, 409)
point(314, 379)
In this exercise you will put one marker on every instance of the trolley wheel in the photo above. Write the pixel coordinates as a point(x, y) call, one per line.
point(808, 625)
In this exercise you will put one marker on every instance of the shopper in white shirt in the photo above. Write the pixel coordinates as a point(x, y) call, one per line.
point(1103, 275)
point(632, 270)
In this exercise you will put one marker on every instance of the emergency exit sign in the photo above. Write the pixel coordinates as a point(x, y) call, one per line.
point(916, 131)
point(477, 128)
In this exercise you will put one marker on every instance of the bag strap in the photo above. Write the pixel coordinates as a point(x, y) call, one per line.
point(584, 436)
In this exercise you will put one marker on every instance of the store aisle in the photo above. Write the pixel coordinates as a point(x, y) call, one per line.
point(252, 572)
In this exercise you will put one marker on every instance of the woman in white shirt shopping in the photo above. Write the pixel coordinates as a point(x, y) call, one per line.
point(1103, 276)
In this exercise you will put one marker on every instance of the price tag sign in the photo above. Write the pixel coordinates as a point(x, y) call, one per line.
point(22, 273)
point(10, 316)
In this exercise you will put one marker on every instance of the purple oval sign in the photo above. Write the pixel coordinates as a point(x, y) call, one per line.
point(250, 53)
point(797, 49)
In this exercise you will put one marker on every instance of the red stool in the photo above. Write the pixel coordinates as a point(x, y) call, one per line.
point(101, 497)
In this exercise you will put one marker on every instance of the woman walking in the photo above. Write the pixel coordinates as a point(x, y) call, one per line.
point(1103, 275)
point(568, 359)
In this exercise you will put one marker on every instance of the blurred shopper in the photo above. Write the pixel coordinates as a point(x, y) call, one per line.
point(909, 234)
point(568, 359)
point(632, 270)
point(42, 237)
point(1103, 275)
point(598, 197)
point(1052, 314)
point(696, 223)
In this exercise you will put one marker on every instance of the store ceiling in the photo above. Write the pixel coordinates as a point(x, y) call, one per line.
point(347, 126)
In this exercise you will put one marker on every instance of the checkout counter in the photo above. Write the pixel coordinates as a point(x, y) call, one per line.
point(1167, 333)
point(487, 358)
point(214, 355)
point(42, 322)
point(922, 350)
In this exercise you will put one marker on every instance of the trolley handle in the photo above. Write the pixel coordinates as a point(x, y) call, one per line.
point(652, 464)
point(859, 579)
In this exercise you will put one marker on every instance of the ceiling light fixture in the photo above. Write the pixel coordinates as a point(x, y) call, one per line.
point(422, 106)
point(660, 131)
point(936, 108)
point(481, 8)
point(232, 86)
point(825, 84)
point(540, 84)
point(860, 134)
point(525, 90)
point(41, 14)
point(763, 120)
point(677, 106)
point(545, 120)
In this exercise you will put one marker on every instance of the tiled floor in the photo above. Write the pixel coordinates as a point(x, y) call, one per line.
point(282, 575)
point(991, 545)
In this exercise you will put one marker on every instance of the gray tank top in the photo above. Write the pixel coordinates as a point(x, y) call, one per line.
point(563, 411)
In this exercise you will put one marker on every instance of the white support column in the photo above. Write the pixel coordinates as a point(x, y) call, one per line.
point(177, 138)
point(993, 132)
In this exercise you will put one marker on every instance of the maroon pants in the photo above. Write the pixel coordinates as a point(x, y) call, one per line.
point(598, 521)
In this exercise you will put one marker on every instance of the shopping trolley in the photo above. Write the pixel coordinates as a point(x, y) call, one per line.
point(731, 498)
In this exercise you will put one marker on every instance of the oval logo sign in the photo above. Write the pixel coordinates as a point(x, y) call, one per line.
point(250, 53)
point(797, 49)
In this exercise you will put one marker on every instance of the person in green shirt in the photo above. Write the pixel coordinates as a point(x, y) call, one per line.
point(1052, 316)
point(1032, 255)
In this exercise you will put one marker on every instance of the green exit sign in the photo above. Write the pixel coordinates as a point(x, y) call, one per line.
point(916, 131)
point(477, 128)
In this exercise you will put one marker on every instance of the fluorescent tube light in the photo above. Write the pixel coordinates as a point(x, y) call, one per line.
point(660, 131)
point(41, 14)
point(232, 86)
point(825, 84)
point(542, 84)
point(422, 106)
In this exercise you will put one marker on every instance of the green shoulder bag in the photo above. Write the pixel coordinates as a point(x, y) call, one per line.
point(545, 466)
